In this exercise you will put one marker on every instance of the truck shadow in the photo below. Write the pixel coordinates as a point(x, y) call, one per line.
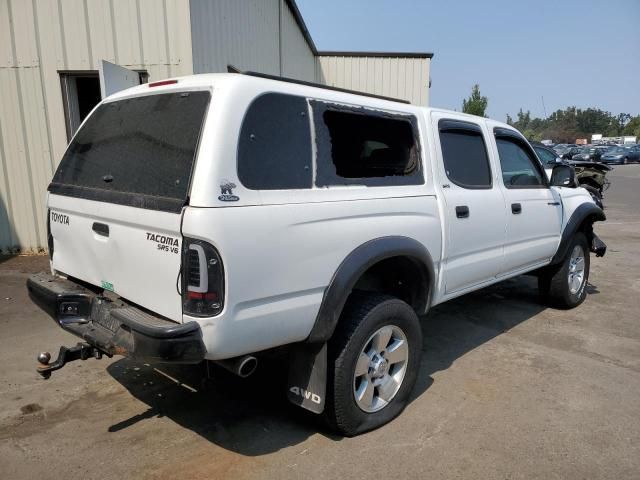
point(252, 416)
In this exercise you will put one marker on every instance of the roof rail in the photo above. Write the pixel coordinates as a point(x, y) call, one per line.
point(232, 69)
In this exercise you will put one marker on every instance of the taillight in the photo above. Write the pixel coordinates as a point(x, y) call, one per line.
point(202, 279)
point(161, 83)
point(49, 236)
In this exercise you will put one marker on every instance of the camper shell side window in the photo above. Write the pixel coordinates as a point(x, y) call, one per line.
point(361, 146)
point(274, 147)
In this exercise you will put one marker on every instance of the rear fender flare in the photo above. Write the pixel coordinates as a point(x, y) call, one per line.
point(352, 268)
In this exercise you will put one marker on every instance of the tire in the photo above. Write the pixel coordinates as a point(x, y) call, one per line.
point(625, 160)
point(595, 194)
point(365, 321)
point(556, 285)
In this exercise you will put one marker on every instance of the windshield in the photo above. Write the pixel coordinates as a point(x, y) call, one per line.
point(139, 151)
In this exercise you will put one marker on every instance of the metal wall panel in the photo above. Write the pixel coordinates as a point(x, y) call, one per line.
point(298, 60)
point(40, 38)
point(243, 33)
point(401, 77)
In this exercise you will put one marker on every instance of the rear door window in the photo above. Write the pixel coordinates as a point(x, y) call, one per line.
point(138, 151)
point(464, 154)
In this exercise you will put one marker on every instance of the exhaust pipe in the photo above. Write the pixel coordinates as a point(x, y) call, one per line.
point(242, 366)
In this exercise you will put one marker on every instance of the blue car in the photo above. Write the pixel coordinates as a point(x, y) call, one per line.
point(622, 155)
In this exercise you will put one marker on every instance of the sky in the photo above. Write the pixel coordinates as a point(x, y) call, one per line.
point(571, 52)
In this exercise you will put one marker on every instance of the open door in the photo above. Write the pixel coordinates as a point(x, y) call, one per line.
point(114, 78)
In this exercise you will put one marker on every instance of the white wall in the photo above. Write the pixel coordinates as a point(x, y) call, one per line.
point(257, 35)
point(403, 77)
point(40, 38)
point(298, 60)
point(243, 33)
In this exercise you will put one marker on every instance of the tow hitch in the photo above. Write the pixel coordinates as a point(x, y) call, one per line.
point(82, 351)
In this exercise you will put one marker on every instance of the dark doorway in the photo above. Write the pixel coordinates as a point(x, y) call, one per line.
point(80, 93)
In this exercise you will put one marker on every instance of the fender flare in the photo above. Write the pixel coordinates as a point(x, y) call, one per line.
point(352, 268)
point(587, 212)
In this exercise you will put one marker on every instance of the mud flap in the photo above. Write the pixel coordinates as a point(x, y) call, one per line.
point(598, 246)
point(307, 382)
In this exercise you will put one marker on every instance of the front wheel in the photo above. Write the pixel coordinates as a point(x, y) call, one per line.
point(374, 357)
point(595, 195)
point(566, 285)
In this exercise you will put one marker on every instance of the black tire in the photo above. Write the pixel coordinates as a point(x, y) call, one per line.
point(554, 284)
point(595, 194)
point(363, 315)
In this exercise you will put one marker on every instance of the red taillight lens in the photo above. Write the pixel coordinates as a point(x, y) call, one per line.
point(202, 279)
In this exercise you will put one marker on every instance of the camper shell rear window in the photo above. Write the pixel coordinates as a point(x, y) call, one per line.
point(138, 151)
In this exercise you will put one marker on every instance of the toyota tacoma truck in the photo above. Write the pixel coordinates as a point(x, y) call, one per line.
point(220, 217)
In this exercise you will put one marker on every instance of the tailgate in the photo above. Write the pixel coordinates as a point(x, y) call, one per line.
point(132, 253)
point(116, 199)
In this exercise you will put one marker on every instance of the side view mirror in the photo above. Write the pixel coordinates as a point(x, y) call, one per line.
point(563, 176)
point(558, 160)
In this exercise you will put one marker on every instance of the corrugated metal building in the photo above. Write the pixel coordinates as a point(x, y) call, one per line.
point(398, 75)
point(51, 50)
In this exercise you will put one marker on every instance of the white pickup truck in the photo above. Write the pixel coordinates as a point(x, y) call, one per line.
point(217, 217)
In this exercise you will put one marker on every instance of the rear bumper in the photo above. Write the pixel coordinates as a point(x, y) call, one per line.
point(114, 326)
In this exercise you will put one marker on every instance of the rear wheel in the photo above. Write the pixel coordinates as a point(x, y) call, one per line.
point(625, 160)
point(566, 285)
point(374, 357)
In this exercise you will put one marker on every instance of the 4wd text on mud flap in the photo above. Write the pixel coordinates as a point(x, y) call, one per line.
point(306, 394)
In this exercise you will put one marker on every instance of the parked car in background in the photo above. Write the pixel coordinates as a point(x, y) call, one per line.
point(622, 155)
point(588, 154)
point(562, 148)
point(591, 176)
point(568, 154)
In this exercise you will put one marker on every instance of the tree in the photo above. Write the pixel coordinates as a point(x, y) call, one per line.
point(565, 126)
point(476, 104)
point(632, 127)
point(620, 122)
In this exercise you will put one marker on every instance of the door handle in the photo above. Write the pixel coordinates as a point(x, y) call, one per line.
point(101, 229)
point(516, 208)
point(462, 211)
point(553, 203)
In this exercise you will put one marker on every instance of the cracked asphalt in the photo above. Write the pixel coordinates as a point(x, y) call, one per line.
point(508, 389)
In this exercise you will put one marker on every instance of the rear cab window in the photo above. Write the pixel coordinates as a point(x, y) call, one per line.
point(138, 151)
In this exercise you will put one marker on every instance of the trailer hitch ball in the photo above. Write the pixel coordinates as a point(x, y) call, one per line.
point(44, 357)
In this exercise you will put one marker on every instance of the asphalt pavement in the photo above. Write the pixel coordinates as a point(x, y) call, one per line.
point(508, 389)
